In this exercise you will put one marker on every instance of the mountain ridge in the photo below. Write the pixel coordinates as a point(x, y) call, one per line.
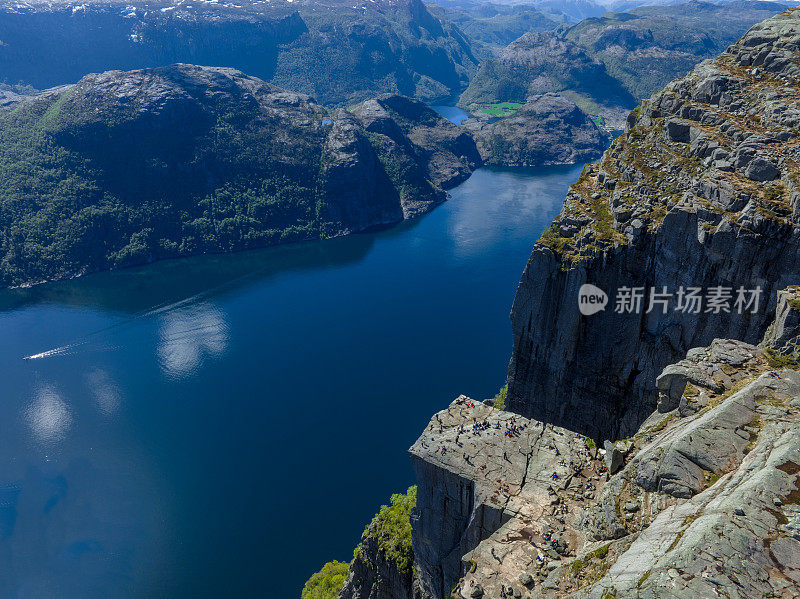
point(339, 52)
point(126, 167)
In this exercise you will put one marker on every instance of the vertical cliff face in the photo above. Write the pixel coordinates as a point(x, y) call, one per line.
point(700, 191)
point(374, 576)
point(383, 563)
point(704, 499)
point(447, 523)
point(486, 486)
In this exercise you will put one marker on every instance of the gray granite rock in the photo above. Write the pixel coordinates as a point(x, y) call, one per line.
point(614, 458)
point(669, 221)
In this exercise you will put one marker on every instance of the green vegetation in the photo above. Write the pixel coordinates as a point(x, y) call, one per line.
point(604, 220)
point(776, 360)
point(391, 526)
point(774, 193)
point(794, 300)
point(643, 579)
point(500, 398)
point(598, 120)
point(76, 195)
point(501, 109)
point(326, 583)
point(591, 567)
point(90, 182)
point(551, 237)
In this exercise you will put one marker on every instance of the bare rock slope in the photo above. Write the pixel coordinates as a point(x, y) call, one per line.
point(702, 501)
point(700, 191)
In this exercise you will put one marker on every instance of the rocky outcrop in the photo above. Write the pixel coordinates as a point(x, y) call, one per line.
point(706, 499)
point(783, 336)
point(678, 201)
point(548, 129)
point(373, 575)
point(448, 155)
point(383, 563)
point(186, 159)
point(488, 484)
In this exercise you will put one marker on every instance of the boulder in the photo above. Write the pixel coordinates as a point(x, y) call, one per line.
point(677, 130)
point(760, 169)
point(614, 458)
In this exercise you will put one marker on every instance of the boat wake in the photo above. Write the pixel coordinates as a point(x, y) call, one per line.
point(158, 309)
point(58, 351)
point(70, 348)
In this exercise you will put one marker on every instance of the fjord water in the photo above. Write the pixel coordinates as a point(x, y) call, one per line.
point(221, 426)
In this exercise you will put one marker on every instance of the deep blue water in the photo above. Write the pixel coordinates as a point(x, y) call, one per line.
point(221, 426)
point(451, 113)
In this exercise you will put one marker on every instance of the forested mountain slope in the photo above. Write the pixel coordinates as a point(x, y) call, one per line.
point(129, 167)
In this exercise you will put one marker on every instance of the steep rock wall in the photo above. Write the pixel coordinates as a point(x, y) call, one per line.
point(700, 191)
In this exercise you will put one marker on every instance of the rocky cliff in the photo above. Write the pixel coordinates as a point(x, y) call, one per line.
point(129, 167)
point(700, 191)
point(383, 562)
point(692, 487)
point(702, 501)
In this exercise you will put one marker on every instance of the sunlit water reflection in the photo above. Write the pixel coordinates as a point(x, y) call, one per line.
point(188, 335)
point(221, 426)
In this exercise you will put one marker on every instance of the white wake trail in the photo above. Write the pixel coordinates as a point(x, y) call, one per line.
point(58, 351)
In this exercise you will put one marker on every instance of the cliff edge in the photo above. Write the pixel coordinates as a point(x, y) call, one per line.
point(702, 501)
point(701, 191)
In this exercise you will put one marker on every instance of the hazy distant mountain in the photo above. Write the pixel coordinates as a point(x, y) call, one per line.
point(339, 51)
point(492, 26)
point(561, 11)
point(647, 47)
point(605, 64)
